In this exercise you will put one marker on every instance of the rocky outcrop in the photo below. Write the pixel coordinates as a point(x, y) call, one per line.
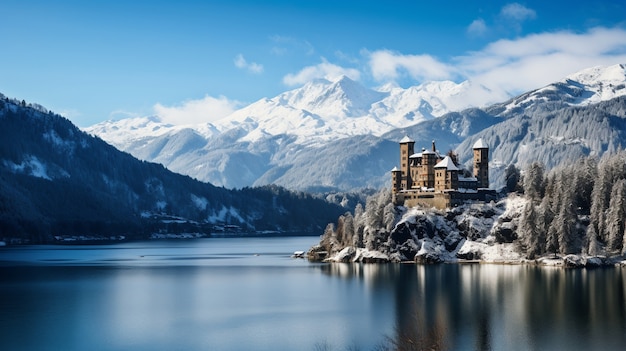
point(484, 232)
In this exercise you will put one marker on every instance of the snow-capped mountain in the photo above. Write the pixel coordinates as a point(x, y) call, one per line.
point(339, 134)
point(589, 86)
point(315, 113)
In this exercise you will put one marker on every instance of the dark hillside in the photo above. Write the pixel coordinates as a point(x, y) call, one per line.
point(57, 180)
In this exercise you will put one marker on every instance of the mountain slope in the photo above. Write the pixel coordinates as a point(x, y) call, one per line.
point(58, 180)
point(552, 137)
point(321, 135)
point(257, 144)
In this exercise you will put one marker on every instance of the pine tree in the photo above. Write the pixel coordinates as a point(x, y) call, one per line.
point(369, 238)
point(549, 243)
point(592, 246)
point(512, 178)
point(348, 230)
point(534, 185)
point(328, 240)
point(389, 217)
point(552, 241)
point(359, 225)
point(585, 174)
point(567, 233)
point(527, 230)
point(610, 170)
point(615, 217)
point(600, 197)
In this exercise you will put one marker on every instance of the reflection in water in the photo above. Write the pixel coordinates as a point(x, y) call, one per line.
point(498, 307)
point(250, 295)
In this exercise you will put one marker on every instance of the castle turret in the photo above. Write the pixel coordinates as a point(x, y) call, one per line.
point(396, 180)
point(396, 183)
point(481, 163)
point(407, 146)
point(446, 175)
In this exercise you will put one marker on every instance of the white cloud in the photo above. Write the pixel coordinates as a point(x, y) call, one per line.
point(513, 66)
point(477, 28)
point(204, 110)
point(253, 67)
point(536, 60)
point(387, 65)
point(324, 69)
point(517, 12)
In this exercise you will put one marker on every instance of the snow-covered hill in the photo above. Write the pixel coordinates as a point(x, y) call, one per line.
point(340, 134)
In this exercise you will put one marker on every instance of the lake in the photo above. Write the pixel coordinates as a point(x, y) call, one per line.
point(249, 294)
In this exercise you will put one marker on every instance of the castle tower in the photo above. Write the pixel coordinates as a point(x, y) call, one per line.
point(396, 183)
point(407, 146)
point(427, 173)
point(446, 175)
point(481, 163)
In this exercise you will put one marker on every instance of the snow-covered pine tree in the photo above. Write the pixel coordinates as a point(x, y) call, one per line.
point(615, 218)
point(389, 217)
point(585, 173)
point(610, 169)
point(600, 197)
point(552, 240)
point(359, 225)
point(529, 233)
point(512, 178)
point(544, 223)
point(534, 183)
point(348, 230)
point(329, 240)
point(567, 233)
point(592, 246)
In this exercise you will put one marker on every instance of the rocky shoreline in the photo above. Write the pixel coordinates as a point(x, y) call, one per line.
point(484, 233)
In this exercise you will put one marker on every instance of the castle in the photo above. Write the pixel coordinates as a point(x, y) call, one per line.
point(428, 179)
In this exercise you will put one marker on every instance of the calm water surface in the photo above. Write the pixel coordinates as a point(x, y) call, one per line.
point(248, 294)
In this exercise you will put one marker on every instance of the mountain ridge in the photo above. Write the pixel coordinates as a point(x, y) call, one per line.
point(265, 136)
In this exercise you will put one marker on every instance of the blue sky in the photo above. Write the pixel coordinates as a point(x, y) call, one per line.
point(198, 60)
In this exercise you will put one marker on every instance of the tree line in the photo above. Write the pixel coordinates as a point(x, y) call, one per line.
point(578, 208)
point(368, 228)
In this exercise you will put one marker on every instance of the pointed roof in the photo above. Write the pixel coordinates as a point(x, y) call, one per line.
point(395, 169)
point(480, 144)
point(406, 139)
point(447, 164)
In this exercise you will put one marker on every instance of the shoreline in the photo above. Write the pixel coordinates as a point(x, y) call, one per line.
point(360, 256)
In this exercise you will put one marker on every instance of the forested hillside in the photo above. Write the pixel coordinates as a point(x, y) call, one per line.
point(57, 180)
point(552, 134)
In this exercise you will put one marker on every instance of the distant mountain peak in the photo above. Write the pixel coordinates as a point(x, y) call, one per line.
point(614, 74)
point(585, 87)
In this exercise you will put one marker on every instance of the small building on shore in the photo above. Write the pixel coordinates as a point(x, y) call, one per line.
point(427, 178)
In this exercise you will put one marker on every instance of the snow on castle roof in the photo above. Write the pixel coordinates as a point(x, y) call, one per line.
point(395, 169)
point(447, 164)
point(406, 139)
point(480, 144)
